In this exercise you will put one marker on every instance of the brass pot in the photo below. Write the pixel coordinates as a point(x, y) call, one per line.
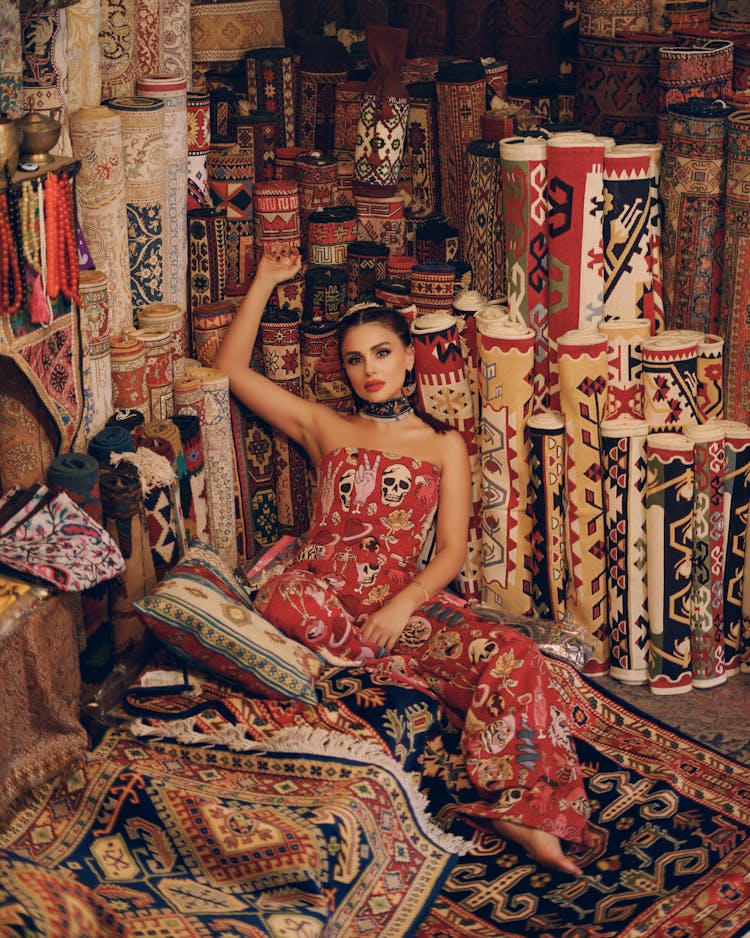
point(39, 133)
point(10, 138)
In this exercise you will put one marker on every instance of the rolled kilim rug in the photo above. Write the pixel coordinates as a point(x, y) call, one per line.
point(199, 144)
point(583, 395)
point(317, 178)
point(525, 229)
point(535, 96)
point(95, 338)
point(461, 104)
point(190, 395)
point(575, 164)
point(272, 87)
point(692, 196)
point(96, 139)
point(432, 286)
point(701, 69)
point(617, 85)
point(506, 368)
point(398, 266)
point(344, 194)
point(125, 521)
point(465, 306)
point(208, 324)
point(117, 47)
point(216, 434)
point(322, 66)
point(330, 231)
point(346, 117)
point(443, 390)
point(231, 174)
point(146, 193)
point(111, 439)
point(625, 338)
point(528, 36)
point(290, 294)
point(394, 293)
point(673, 15)
point(193, 494)
point(604, 18)
point(707, 590)
point(276, 214)
point(381, 220)
point(285, 162)
point(629, 186)
point(710, 374)
point(163, 437)
point(223, 106)
point(173, 92)
point(207, 255)
point(735, 293)
point(11, 66)
point(624, 463)
point(670, 380)
point(669, 560)
point(258, 449)
point(496, 73)
point(549, 570)
point(128, 363)
point(435, 240)
point(158, 485)
point(279, 331)
point(127, 417)
point(384, 111)
point(736, 500)
point(323, 375)
point(325, 293)
point(255, 134)
point(365, 264)
point(422, 149)
point(174, 319)
point(223, 32)
point(485, 246)
point(159, 354)
point(427, 24)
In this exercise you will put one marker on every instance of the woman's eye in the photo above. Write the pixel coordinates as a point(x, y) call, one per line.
point(382, 352)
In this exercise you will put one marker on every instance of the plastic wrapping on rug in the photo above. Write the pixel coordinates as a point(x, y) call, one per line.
point(563, 640)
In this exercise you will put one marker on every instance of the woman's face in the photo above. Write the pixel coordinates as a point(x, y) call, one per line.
point(376, 361)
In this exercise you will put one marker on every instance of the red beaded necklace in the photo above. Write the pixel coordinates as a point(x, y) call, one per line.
point(11, 284)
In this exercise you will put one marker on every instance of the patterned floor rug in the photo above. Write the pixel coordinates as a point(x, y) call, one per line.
point(194, 834)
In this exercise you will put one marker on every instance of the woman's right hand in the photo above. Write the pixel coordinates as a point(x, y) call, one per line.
point(278, 263)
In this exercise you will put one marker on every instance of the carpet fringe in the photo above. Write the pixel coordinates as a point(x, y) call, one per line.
point(315, 742)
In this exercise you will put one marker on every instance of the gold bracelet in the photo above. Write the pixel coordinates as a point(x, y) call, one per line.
point(421, 585)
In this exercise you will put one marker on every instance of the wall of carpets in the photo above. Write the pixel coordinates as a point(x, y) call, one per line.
point(567, 231)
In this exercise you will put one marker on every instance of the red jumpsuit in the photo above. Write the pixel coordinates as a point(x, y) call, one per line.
point(372, 515)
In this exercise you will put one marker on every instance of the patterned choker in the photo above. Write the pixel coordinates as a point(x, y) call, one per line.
point(396, 409)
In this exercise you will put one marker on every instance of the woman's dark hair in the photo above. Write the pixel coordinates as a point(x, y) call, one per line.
point(364, 315)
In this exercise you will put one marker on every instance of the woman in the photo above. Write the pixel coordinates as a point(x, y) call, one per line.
point(355, 590)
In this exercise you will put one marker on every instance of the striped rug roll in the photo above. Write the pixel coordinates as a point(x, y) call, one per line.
point(444, 391)
point(96, 139)
point(199, 144)
point(736, 501)
point(625, 338)
point(624, 462)
point(146, 193)
point(95, 340)
point(583, 393)
point(525, 228)
point(506, 356)
point(159, 355)
point(669, 560)
point(174, 319)
point(279, 331)
point(549, 570)
point(670, 379)
point(707, 587)
point(207, 255)
point(209, 322)
point(216, 434)
point(710, 374)
point(173, 92)
point(128, 363)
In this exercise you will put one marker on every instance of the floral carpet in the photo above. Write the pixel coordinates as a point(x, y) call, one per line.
point(348, 821)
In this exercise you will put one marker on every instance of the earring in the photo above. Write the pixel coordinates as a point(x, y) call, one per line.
point(410, 383)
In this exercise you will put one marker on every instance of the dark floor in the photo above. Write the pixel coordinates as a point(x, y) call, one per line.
point(718, 717)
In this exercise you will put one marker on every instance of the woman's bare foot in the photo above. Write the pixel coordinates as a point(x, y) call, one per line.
point(541, 846)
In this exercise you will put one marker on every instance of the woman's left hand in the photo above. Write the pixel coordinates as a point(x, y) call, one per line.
point(384, 626)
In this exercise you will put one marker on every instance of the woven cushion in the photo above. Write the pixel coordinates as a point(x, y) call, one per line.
point(200, 611)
